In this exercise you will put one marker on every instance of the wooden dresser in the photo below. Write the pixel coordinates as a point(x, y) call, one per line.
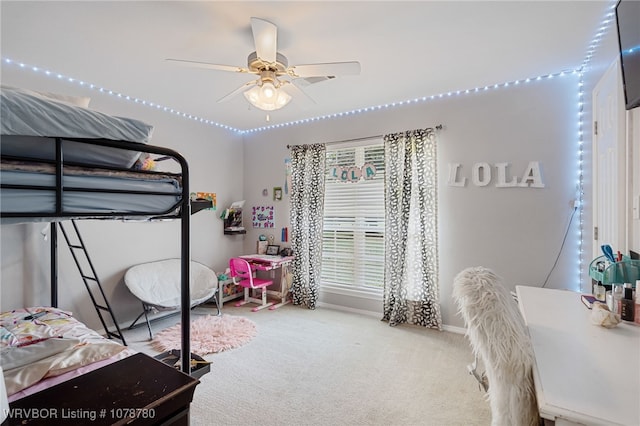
point(136, 390)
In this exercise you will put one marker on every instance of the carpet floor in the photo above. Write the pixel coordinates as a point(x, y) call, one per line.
point(329, 367)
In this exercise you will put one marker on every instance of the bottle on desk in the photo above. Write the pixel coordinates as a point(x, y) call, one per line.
point(618, 295)
point(627, 306)
point(599, 292)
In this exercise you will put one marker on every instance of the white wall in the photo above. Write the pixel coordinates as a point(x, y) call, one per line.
point(516, 231)
point(113, 245)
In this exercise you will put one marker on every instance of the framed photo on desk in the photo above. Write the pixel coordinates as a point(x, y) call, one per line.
point(273, 250)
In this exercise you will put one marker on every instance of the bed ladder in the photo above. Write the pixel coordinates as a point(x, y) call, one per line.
point(91, 281)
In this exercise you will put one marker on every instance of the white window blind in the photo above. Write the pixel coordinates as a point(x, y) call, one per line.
point(353, 235)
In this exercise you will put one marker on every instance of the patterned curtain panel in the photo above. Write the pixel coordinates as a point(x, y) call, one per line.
point(411, 290)
point(307, 208)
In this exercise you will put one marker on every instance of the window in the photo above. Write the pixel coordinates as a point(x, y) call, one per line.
point(353, 235)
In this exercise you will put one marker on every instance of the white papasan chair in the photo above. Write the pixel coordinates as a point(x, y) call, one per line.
point(157, 285)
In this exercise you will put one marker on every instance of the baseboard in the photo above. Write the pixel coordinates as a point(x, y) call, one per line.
point(454, 329)
point(378, 315)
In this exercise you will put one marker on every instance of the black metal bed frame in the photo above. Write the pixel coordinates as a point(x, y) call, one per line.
point(181, 210)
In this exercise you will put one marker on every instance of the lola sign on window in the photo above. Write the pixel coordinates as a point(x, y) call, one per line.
point(353, 173)
point(482, 174)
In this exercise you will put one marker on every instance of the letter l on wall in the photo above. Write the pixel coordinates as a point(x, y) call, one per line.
point(453, 176)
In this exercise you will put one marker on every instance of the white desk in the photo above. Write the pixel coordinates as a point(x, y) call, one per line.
point(583, 373)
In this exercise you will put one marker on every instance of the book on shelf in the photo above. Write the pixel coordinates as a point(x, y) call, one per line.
point(589, 300)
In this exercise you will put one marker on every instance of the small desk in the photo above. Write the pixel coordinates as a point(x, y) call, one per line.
point(263, 263)
point(583, 373)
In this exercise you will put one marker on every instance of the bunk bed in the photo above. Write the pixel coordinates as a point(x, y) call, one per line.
point(62, 161)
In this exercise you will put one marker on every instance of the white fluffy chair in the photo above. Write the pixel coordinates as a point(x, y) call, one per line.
point(498, 336)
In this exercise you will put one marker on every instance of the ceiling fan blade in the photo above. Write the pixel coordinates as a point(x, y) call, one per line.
point(306, 82)
point(265, 37)
point(299, 95)
point(209, 66)
point(330, 69)
point(237, 91)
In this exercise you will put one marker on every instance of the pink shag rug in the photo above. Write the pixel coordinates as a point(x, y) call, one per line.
point(209, 334)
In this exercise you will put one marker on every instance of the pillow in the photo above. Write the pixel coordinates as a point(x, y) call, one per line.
point(15, 331)
point(80, 101)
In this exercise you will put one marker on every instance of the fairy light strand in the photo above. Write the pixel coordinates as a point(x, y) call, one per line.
point(380, 107)
point(103, 90)
point(412, 101)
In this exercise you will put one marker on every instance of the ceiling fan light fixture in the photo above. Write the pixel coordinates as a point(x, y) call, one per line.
point(267, 97)
point(274, 71)
point(268, 92)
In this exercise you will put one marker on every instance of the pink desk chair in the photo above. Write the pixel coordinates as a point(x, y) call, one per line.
point(242, 275)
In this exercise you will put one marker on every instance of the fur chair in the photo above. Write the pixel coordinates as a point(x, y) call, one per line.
point(498, 336)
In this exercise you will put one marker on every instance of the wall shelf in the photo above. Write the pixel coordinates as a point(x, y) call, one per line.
point(233, 222)
point(234, 232)
point(197, 205)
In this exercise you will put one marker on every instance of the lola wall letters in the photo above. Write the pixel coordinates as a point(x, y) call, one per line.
point(482, 175)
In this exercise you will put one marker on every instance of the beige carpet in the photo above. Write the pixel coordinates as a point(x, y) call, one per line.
point(328, 367)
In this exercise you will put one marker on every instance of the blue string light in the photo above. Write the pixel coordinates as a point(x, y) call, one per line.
point(9, 61)
point(580, 180)
point(390, 105)
point(410, 101)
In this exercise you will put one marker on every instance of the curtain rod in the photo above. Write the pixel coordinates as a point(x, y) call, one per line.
point(437, 127)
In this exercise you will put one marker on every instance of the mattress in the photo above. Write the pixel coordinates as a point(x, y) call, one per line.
point(87, 191)
point(25, 112)
point(47, 344)
point(30, 120)
point(43, 148)
point(35, 119)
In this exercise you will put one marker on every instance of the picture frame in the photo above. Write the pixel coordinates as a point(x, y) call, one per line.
point(263, 217)
point(273, 250)
point(277, 193)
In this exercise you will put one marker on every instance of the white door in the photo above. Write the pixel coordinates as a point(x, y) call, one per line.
point(633, 128)
point(609, 172)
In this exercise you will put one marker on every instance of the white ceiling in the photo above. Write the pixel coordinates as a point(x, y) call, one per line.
point(406, 49)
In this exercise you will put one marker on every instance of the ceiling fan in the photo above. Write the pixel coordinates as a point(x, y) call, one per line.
point(277, 82)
